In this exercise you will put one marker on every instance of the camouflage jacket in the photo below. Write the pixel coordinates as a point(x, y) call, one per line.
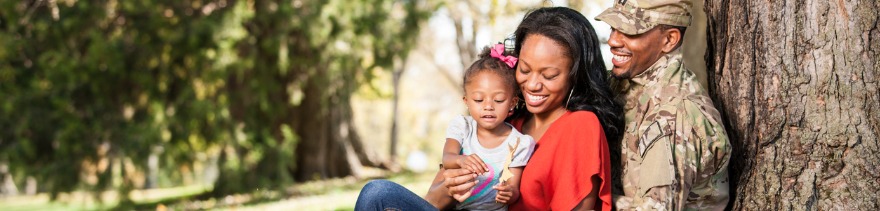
point(675, 150)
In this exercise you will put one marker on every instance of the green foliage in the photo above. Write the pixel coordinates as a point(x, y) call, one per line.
point(88, 85)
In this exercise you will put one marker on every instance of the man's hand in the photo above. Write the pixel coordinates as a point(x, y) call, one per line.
point(507, 193)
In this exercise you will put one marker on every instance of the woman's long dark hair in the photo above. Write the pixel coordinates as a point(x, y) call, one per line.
point(588, 77)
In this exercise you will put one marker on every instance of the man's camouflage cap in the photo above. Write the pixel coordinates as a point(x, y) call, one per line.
point(634, 17)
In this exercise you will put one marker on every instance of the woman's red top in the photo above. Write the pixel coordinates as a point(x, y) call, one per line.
point(557, 177)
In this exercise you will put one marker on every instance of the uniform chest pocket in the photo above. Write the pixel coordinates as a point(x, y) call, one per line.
point(657, 168)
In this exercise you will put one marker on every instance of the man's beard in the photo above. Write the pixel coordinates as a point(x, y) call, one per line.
point(623, 76)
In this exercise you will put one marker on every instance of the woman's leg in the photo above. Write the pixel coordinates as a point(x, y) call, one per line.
point(387, 195)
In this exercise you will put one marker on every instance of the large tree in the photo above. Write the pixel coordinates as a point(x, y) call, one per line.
point(797, 82)
point(92, 86)
point(92, 90)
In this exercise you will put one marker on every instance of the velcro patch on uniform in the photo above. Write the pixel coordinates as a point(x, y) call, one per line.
point(652, 133)
point(657, 168)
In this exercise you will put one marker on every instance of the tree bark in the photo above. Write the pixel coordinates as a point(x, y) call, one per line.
point(465, 42)
point(326, 143)
point(797, 82)
point(397, 74)
point(329, 145)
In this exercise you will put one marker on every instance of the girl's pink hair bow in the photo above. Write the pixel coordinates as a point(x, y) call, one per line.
point(498, 51)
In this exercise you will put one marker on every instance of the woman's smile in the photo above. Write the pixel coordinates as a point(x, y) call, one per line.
point(535, 99)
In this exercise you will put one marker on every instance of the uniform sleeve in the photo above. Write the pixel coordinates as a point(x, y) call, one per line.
point(458, 128)
point(582, 153)
point(662, 176)
point(699, 151)
point(706, 169)
point(523, 151)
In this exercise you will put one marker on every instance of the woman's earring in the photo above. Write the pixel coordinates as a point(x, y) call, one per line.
point(521, 103)
point(569, 98)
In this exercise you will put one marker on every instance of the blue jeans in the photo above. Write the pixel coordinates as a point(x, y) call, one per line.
point(387, 195)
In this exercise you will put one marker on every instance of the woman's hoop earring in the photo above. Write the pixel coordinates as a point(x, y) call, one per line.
point(520, 103)
point(569, 98)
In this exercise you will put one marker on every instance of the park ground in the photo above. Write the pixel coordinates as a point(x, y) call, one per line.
point(331, 194)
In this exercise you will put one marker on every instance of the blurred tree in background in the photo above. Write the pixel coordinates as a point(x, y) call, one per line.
point(108, 94)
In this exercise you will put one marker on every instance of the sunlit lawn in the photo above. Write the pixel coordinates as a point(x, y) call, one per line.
point(333, 194)
point(87, 201)
point(335, 198)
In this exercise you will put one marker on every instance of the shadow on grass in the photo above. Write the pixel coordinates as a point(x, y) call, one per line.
point(206, 199)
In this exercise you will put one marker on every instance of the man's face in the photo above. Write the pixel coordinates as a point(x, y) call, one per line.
point(633, 54)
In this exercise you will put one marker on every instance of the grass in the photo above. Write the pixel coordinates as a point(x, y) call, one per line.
point(332, 194)
point(336, 195)
point(107, 200)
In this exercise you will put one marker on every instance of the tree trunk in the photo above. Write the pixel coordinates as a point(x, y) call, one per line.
point(395, 112)
point(797, 83)
point(329, 146)
point(465, 39)
point(262, 106)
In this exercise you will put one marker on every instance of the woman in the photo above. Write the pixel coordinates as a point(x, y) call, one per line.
point(570, 111)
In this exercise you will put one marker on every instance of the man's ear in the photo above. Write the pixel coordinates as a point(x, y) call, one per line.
point(671, 37)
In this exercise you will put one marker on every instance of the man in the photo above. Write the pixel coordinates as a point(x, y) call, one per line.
point(675, 150)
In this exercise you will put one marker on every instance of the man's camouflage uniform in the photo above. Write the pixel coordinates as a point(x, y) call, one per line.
point(675, 151)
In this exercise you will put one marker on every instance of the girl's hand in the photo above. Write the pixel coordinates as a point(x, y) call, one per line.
point(507, 193)
point(473, 163)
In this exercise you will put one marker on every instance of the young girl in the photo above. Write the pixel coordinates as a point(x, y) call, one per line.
point(482, 142)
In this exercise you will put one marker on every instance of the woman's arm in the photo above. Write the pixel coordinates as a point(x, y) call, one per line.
point(449, 182)
point(589, 202)
point(579, 183)
point(437, 194)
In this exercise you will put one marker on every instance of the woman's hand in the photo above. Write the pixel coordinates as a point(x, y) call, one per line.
point(507, 193)
point(459, 182)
